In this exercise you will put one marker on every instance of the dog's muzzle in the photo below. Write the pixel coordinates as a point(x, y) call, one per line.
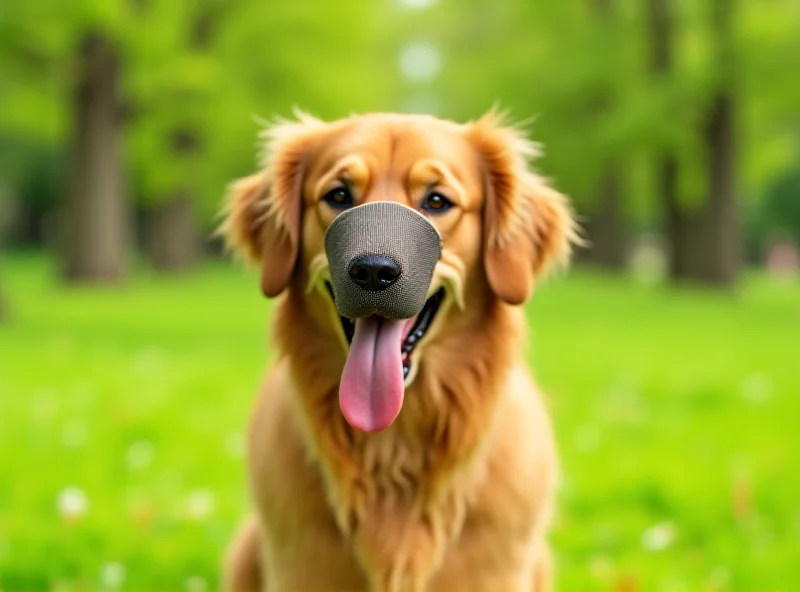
point(381, 257)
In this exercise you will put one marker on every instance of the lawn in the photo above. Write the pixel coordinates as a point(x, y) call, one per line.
point(122, 414)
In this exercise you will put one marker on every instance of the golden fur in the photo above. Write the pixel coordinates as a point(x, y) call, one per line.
point(456, 494)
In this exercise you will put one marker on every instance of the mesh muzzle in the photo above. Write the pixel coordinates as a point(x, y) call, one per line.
point(389, 230)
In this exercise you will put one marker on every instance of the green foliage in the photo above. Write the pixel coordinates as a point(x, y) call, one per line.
point(197, 69)
point(579, 72)
point(582, 69)
point(770, 49)
point(274, 57)
point(675, 415)
point(779, 214)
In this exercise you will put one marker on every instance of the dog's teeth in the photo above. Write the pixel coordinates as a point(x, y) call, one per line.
point(411, 339)
point(417, 334)
point(406, 370)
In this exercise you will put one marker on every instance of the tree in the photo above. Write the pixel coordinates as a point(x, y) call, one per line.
point(191, 80)
point(95, 222)
point(562, 68)
point(216, 69)
point(703, 234)
point(606, 226)
point(3, 306)
point(666, 165)
point(69, 60)
point(722, 212)
point(172, 230)
point(172, 82)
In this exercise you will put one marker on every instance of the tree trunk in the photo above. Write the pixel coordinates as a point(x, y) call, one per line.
point(660, 24)
point(173, 236)
point(95, 232)
point(3, 308)
point(606, 227)
point(704, 244)
point(722, 213)
point(3, 302)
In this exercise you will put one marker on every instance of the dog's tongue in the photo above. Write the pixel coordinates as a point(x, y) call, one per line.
point(371, 389)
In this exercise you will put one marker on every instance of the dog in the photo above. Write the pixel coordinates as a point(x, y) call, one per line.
point(452, 488)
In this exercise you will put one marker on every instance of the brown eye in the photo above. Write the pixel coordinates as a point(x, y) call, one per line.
point(436, 202)
point(339, 197)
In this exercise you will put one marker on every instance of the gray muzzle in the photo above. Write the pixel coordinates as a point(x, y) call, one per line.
point(381, 257)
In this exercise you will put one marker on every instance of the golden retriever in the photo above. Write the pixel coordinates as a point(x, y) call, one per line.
point(456, 493)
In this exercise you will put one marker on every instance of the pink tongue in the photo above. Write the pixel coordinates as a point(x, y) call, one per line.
point(371, 389)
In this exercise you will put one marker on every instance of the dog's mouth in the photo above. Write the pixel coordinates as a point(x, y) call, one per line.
point(416, 328)
point(380, 363)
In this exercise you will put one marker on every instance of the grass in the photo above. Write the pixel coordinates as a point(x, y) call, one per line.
point(122, 414)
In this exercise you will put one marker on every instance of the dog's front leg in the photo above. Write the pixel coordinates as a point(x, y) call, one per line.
point(242, 570)
point(543, 570)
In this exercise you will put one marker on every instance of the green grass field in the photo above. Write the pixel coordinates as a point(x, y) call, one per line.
point(122, 414)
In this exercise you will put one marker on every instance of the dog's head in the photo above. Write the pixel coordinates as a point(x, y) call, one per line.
point(401, 221)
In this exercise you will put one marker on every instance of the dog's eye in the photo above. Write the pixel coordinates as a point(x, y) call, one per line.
point(339, 197)
point(436, 202)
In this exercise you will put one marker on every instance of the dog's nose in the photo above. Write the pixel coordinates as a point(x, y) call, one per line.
point(373, 272)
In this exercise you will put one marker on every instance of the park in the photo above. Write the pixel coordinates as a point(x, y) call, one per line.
point(132, 343)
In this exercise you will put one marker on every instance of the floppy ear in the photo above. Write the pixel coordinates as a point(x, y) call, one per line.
point(528, 226)
point(264, 211)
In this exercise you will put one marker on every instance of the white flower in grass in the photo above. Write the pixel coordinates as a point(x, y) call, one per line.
point(659, 536)
point(140, 455)
point(72, 503)
point(200, 504)
point(112, 575)
point(196, 584)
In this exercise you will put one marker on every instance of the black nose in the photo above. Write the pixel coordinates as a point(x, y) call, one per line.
point(373, 272)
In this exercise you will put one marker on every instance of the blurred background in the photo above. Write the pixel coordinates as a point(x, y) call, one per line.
point(130, 348)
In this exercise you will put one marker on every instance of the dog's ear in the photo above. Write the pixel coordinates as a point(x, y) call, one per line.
point(528, 226)
point(264, 211)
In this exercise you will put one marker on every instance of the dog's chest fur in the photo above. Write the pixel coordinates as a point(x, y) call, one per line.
point(403, 508)
point(397, 502)
point(399, 497)
point(389, 515)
